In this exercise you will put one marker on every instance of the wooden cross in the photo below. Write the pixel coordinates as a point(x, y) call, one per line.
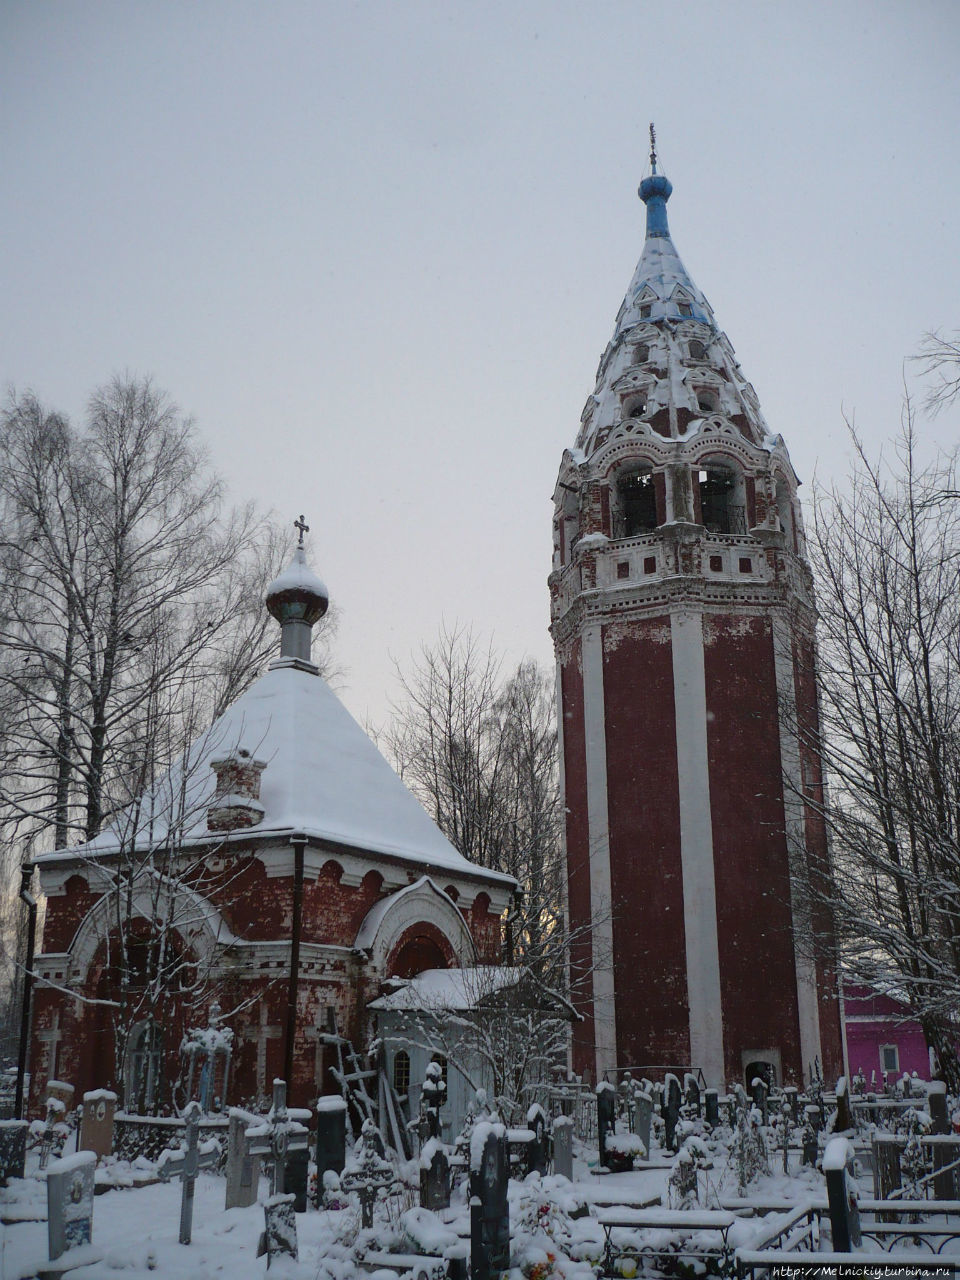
point(279, 1135)
point(304, 528)
point(261, 1034)
point(186, 1164)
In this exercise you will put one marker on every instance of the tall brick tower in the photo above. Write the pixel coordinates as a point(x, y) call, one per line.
point(683, 620)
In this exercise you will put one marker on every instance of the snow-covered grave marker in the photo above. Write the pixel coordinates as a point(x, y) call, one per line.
point(691, 1089)
point(434, 1176)
point(643, 1119)
point(372, 1175)
point(537, 1150)
point(842, 1195)
point(96, 1122)
point(280, 1228)
point(760, 1093)
point(432, 1097)
point(711, 1107)
point(331, 1138)
point(489, 1206)
point(278, 1135)
point(54, 1130)
point(606, 1116)
point(563, 1146)
point(13, 1149)
point(243, 1168)
point(187, 1163)
point(70, 1205)
point(791, 1095)
point(670, 1110)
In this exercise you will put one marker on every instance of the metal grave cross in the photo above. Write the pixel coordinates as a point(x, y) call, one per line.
point(186, 1164)
point(279, 1135)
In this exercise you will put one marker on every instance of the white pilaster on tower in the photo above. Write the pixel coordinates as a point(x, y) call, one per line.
point(808, 1007)
point(696, 847)
point(601, 897)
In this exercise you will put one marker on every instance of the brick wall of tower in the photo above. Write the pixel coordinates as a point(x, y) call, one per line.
point(646, 882)
point(757, 971)
point(831, 1042)
point(578, 856)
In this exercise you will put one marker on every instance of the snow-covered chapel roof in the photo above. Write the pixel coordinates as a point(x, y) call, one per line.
point(323, 778)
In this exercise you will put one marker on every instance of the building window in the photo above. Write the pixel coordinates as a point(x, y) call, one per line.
point(623, 569)
point(889, 1058)
point(649, 564)
point(707, 401)
point(697, 350)
point(144, 1069)
point(746, 564)
point(637, 504)
point(685, 309)
point(401, 1072)
point(641, 353)
point(637, 407)
point(722, 507)
point(716, 564)
point(645, 311)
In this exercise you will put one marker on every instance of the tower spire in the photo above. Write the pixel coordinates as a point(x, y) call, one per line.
point(655, 192)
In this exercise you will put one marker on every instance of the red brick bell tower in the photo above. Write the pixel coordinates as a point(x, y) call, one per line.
point(683, 619)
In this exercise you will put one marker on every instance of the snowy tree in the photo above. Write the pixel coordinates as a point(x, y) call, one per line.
point(886, 558)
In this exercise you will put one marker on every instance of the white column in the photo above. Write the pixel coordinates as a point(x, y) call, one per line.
point(696, 847)
point(558, 699)
point(800, 888)
point(601, 903)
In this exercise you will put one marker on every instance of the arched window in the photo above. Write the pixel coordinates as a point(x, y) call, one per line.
point(707, 400)
point(722, 500)
point(697, 350)
point(636, 406)
point(401, 1072)
point(641, 353)
point(636, 503)
point(144, 1069)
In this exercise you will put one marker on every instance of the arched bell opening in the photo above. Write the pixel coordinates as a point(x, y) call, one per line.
point(722, 498)
point(635, 510)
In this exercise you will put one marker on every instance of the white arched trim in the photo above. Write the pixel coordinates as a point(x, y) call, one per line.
point(422, 902)
point(193, 917)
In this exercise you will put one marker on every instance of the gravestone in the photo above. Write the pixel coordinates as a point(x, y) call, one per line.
point(563, 1146)
point(489, 1209)
point(606, 1116)
point(432, 1097)
point(243, 1169)
point(297, 1177)
point(792, 1096)
point(331, 1136)
point(62, 1091)
point(760, 1093)
point(280, 1228)
point(70, 1203)
point(692, 1093)
point(844, 1120)
point(371, 1175)
point(670, 1110)
point(937, 1106)
point(809, 1142)
point(54, 1131)
point(537, 1149)
point(434, 1177)
point(711, 1107)
point(13, 1149)
point(842, 1195)
point(186, 1164)
point(643, 1119)
point(96, 1122)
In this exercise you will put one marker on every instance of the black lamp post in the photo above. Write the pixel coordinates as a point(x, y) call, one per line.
point(26, 875)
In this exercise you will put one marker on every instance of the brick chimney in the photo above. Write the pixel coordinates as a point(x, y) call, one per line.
point(236, 802)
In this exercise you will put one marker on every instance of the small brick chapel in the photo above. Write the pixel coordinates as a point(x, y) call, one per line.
point(281, 872)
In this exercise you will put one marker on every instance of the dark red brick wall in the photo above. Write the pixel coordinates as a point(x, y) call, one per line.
point(757, 972)
point(643, 798)
point(578, 861)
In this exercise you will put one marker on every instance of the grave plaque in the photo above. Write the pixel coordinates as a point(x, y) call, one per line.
point(692, 1090)
point(711, 1107)
point(13, 1149)
point(243, 1168)
point(96, 1124)
point(280, 1228)
point(606, 1116)
point(434, 1177)
point(489, 1209)
point(563, 1146)
point(70, 1202)
point(537, 1149)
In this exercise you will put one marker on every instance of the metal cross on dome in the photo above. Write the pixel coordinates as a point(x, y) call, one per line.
point(303, 527)
point(653, 158)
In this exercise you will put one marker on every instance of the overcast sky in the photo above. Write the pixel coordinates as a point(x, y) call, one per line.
point(377, 249)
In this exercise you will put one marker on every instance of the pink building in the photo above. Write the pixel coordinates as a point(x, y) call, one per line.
point(883, 1036)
